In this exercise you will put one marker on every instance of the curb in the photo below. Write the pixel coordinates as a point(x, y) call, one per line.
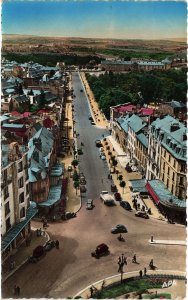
point(170, 243)
point(130, 275)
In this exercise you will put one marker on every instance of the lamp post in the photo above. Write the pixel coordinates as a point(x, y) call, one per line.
point(121, 263)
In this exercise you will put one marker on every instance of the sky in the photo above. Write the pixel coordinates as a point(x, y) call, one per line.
point(96, 19)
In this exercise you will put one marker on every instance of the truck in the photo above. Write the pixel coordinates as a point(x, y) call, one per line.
point(107, 198)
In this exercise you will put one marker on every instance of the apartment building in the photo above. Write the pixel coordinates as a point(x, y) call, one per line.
point(16, 212)
point(166, 165)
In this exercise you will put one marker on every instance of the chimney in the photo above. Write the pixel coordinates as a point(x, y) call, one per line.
point(38, 143)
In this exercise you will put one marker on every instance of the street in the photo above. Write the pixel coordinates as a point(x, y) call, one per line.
point(64, 272)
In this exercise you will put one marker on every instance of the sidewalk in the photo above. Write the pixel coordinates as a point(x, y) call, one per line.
point(168, 242)
point(122, 159)
point(22, 253)
point(85, 293)
point(98, 116)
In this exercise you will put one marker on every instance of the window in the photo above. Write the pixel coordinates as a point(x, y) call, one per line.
point(169, 158)
point(7, 209)
point(172, 189)
point(173, 176)
point(27, 189)
point(20, 167)
point(164, 166)
point(20, 182)
point(181, 180)
point(8, 225)
point(22, 212)
point(26, 175)
point(183, 168)
point(6, 193)
point(21, 198)
point(168, 171)
point(164, 153)
point(174, 165)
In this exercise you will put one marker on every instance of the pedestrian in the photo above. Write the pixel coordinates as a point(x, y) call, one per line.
point(119, 259)
point(151, 263)
point(145, 271)
point(91, 292)
point(15, 290)
point(134, 258)
point(18, 291)
point(57, 244)
point(152, 239)
point(140, 272)
point(125, 260)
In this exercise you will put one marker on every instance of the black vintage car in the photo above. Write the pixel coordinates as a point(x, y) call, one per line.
point(101, 250)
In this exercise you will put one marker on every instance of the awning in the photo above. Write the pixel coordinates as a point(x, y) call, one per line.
point(57, 170)
point(138, 185)
point(54, 196)
point(16, 229)
point(154, 196)
point(160, 193)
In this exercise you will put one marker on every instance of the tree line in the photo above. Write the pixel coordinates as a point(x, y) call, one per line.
point(143, 87)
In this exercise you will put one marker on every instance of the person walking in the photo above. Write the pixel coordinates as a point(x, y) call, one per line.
point(134, 258)
point(57, 244)
point(151, 264)
point(140, 272)
point(18, 291)
point(145, 271)
point(125, 260)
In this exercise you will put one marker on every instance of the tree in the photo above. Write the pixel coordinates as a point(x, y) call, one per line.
point(75, 176)
point(76, 185)
point(114, 162)
point(20, 89)
point(42, 99)
point(120, 177)
point(74, 163)
point(122, 184)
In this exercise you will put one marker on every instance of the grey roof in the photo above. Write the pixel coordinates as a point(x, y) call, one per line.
point(12, 125)
point(177, 104)
point(39, 158)
point(54, 196)
point(20, 98)
point(165, 196)
point(138, 185)
point(123, 122)
point(140, 63)
point(17, 228)
point(57, 170)
point(4, 118)
point(143, 139)
point(136, 123)
point(161, 130)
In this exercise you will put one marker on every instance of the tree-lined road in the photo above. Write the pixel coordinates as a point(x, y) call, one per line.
point(62, 273)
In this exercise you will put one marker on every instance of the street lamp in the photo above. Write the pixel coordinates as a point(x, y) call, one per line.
point(121, 263)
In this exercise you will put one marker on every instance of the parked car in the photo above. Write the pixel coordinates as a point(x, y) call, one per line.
point(93, 123)
point(101, 149)
point(69, 168)
point(82, 181)
point(103, 157)
point(98, 143)
point(81, 91)
point(101, 250)
point(109, 202)
point(128, 168)
point(113, 188)
point(90, 118)
point(125, 205)
point(119, 229)
point(117, 196)
point(89, 204)
point(142, 214)
point(82, 189)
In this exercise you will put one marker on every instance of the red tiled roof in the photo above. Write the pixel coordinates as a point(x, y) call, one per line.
point(147, 111)
point(125, 108)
